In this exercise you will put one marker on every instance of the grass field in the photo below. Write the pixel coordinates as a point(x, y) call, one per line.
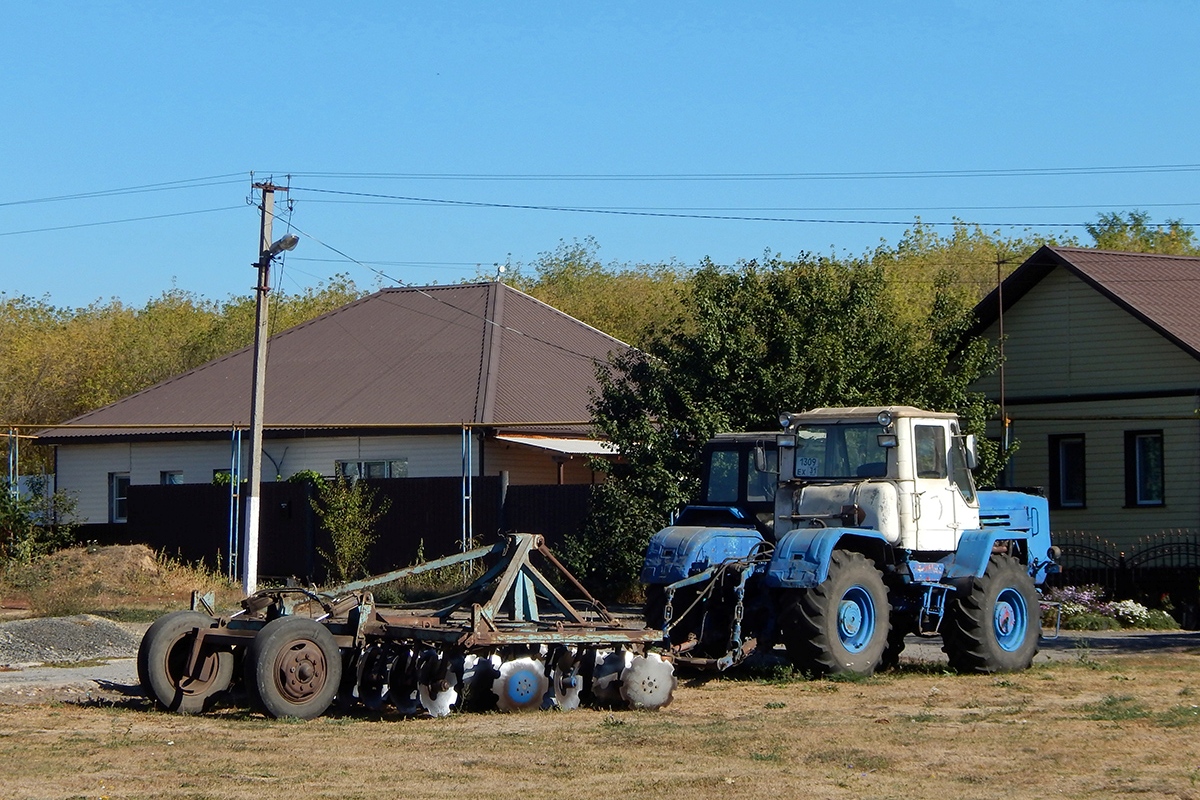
point(1119, 726)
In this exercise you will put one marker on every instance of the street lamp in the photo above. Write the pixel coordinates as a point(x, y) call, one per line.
point(266, 254)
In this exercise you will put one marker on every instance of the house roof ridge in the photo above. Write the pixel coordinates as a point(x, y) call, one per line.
point(1129, 253)
point(564, 314)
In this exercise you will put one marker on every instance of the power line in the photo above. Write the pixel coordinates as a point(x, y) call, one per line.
point(120, 221)
point(677, 215)
point(189, 183)
point(767, 176)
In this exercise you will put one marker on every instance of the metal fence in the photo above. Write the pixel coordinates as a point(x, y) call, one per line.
point(1161, 570)
point(192, 521)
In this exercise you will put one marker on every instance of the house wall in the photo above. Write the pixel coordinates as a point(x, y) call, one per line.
point(1065, 339)
point(532, 467)
point(1103, 425)
point(83, 469)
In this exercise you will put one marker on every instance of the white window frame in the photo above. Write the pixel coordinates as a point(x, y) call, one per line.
point(390, 467)
point(118, 497)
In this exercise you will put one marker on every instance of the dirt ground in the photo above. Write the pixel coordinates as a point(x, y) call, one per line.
point(1089, 720)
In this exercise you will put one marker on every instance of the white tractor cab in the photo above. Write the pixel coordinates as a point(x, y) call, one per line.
point(897, 469)
point(840, 535)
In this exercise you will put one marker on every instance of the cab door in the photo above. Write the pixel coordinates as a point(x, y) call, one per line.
point(935, 502)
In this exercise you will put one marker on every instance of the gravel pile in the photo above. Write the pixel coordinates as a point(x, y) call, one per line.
point(64, 640)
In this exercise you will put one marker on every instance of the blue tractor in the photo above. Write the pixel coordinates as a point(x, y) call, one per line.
point(839, 536)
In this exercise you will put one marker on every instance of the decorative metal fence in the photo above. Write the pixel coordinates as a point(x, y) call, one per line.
point(1161, 570)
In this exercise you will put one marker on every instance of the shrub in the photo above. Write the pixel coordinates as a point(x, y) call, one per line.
point(1085, 608)
point(348, 511)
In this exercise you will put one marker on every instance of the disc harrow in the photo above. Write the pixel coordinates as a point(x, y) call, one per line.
point(510, 642)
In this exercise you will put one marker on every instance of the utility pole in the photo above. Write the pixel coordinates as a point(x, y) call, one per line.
point(266, 251)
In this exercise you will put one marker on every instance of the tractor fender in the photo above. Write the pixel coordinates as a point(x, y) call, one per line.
point(970, 560)
point(801, 557)
point(678, 551)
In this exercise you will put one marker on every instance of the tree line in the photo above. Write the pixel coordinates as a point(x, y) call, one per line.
point(57, 363)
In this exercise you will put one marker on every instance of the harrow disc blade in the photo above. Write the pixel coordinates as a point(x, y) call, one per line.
point(567, 686)
point(522, 684)
point(648, 682)
point(606, 678)
point(440, 704)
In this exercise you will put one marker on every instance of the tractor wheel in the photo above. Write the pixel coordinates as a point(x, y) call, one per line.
point(840, 626)
point(994, 626)
point(895, 643)
point(162, 662)
point(293, 668)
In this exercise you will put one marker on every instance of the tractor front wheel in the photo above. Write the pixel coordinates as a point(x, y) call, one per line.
point(994, 627)
point(840, 626)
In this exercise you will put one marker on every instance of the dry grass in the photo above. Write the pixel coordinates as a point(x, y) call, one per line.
point(1127, 725)
point(129, 582)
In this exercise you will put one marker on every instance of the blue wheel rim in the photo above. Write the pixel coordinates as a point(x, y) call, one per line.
point(1010, 620)
point(522, 686)
point(856, 619)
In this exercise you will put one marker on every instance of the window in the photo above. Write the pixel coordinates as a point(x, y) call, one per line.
point(960, 473)
point(833, 451)
point(1067, 477)
point(1144, 468)
point(931, 451)
point(118, 496)
point(171, 477)
point(760, 486)
point(723, 477)
point(392, 468)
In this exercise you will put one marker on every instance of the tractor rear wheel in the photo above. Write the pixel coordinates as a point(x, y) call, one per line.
point(162, 664)
point(994, 627)
point(840, 626)
point(293, 668)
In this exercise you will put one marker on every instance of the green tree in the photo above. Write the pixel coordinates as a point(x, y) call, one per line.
point(1133, 233)
point(623, 301)
point(764, 338)
point(348, 511)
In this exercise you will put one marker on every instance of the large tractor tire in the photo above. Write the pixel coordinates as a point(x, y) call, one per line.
point(994, 627)
point(162, 661)
point(293, 668)
point(840, 626)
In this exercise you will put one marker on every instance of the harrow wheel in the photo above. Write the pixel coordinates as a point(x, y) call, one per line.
point(293, 668)
point(162, 661)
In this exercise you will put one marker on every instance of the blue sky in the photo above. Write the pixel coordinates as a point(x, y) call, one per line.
point(799, 108)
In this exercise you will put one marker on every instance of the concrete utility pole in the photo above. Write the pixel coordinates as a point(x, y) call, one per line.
point(267, 251)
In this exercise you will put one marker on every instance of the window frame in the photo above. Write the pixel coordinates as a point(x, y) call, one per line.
point(1058, 477)
point(165, 475)
point(360, 467)
point(118, 501)
point(1133, 466)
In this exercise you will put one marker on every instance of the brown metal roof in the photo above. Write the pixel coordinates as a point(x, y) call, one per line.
point(481, 353)
point(1162, 291)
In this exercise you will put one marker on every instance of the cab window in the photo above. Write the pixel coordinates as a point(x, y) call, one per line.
point(931, 451)
point(722, 477)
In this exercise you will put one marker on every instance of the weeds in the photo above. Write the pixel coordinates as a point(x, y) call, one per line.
point(1117, 708)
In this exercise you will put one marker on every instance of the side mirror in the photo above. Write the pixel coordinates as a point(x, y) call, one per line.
point(972, 455)
point(760, 460)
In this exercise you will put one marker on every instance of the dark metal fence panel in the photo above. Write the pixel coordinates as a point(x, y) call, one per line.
point(426, 514)
point(556, 512)
point(189, 521)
